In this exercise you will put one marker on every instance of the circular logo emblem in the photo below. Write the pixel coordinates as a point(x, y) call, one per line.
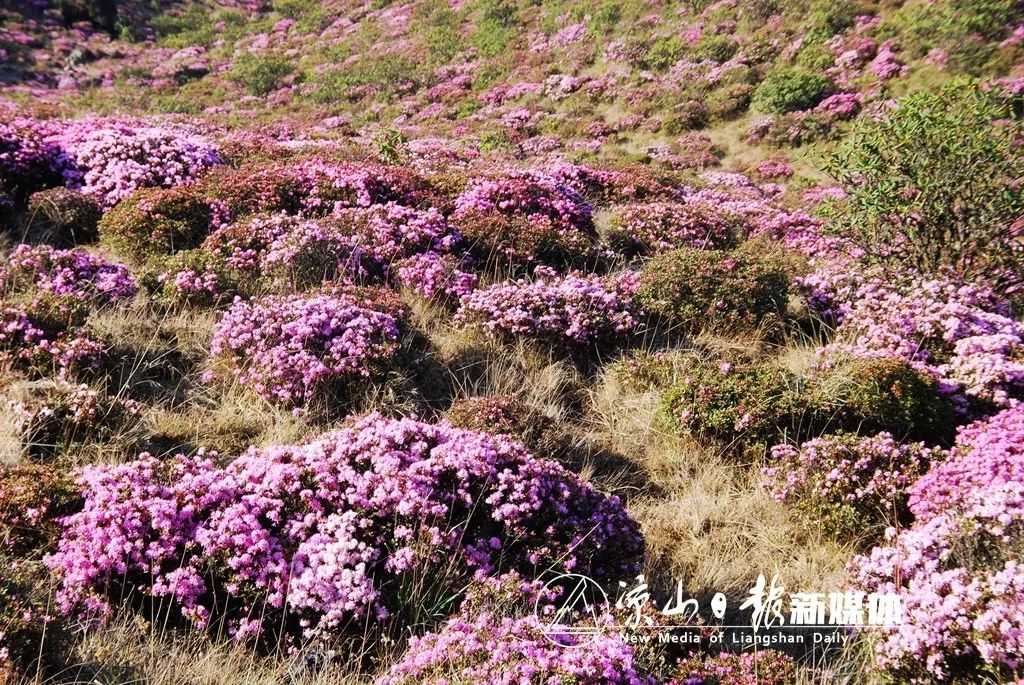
point(571, 620)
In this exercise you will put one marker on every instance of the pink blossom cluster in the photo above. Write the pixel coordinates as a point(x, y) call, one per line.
point(987, 453)
point(432, 274)
point(330, 186)
point(962, 587)
point(73, 273)
point(534, 197)
point(508, 651)
point(110, 160)
point(960, 333)
point(27, 342)
point(317, 536)
point(28, 162)
point(574, 308)
point(651, 227)
point(286, 348)
point(764, 667)
point(390, 232)
point(845, 477)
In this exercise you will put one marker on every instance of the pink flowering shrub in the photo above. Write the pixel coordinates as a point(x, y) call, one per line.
point(764, 667)
point(962, 587)
point(320, 537)
point(509, 651)
point(389, 232)
point(111, 161)
point(28, 162)
point(573, 308)
point(650, 227)
point(434, 275)
point(524, 216)
point(960, 333)
point(47, 336)
point(72, 273)
point(289, 348)
point(987, 453)
point(847, 484)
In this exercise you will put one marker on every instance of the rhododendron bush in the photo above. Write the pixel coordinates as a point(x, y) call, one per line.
point(581, 309)
point(506, 651)
point(958, 567)
point(321, 534)
point(286, 348)
point(109, 161)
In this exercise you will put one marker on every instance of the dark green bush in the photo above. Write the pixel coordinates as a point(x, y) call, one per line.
point(687, 116)
point(754, 404)
point(717, 48)
point(787, 89)
point(665, 52)
point(868, 396)
point(260, 74)
point(64, 217)
point(951, 160)
point(506, 415)
point(730, 101)
point(156, 221)
point(695, 288)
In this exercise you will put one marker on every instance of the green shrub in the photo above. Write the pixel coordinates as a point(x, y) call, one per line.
point(32, 499)
point(64, 217)
point(260, 74)
point(787, 89)
point(687, 116)
point(730, 101)
point(156, 221)
point(665, 52)
point(695, 288)
point(717, 48)
point(387, 74)
point(606, 17)
point(757, 404)
point(868, 396)
point(949, 159)
point(506, 415)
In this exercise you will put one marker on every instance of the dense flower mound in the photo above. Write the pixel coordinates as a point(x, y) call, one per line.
point(73, 273)
point(765, 667)
point(432, 274)
point(287, 348)
point(111, 160)
point(510, 651)
point(524, 216)
point(391, 231)
point(331, 186)
point(47, 336)
point(28, 162)
point(651, 227)
point(962, 334)
point(325, 532)
point(577, 308)
point(962, 584)
point(848, 484)
point(987, 453)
